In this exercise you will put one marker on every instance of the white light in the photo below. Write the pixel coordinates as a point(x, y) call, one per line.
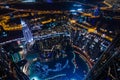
point(22, 22)
point(72, 10)
point(74, 13)
point(80, 9)
point(7, 7)
point(103, 35)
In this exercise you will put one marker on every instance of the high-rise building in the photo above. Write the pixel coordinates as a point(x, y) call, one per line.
point(26, 32)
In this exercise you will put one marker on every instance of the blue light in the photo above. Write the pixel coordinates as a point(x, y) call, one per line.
point(28, 1)
point(49, 1)
point(72, 10)
point(80, 9)
point(34, 78)
point(74, 13)
point(73, 79)
point(22, 22)
point(77, 5)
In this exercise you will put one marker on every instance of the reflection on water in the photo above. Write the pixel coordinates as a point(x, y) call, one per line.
point(29, 1)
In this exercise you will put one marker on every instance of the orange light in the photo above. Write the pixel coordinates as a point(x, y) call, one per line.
point(72, 21)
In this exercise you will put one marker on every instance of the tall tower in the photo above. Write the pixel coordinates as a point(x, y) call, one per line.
point(26, 32)
point(107, 66)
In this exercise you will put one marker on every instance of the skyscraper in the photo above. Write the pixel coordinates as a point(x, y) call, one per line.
point(26, 32)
